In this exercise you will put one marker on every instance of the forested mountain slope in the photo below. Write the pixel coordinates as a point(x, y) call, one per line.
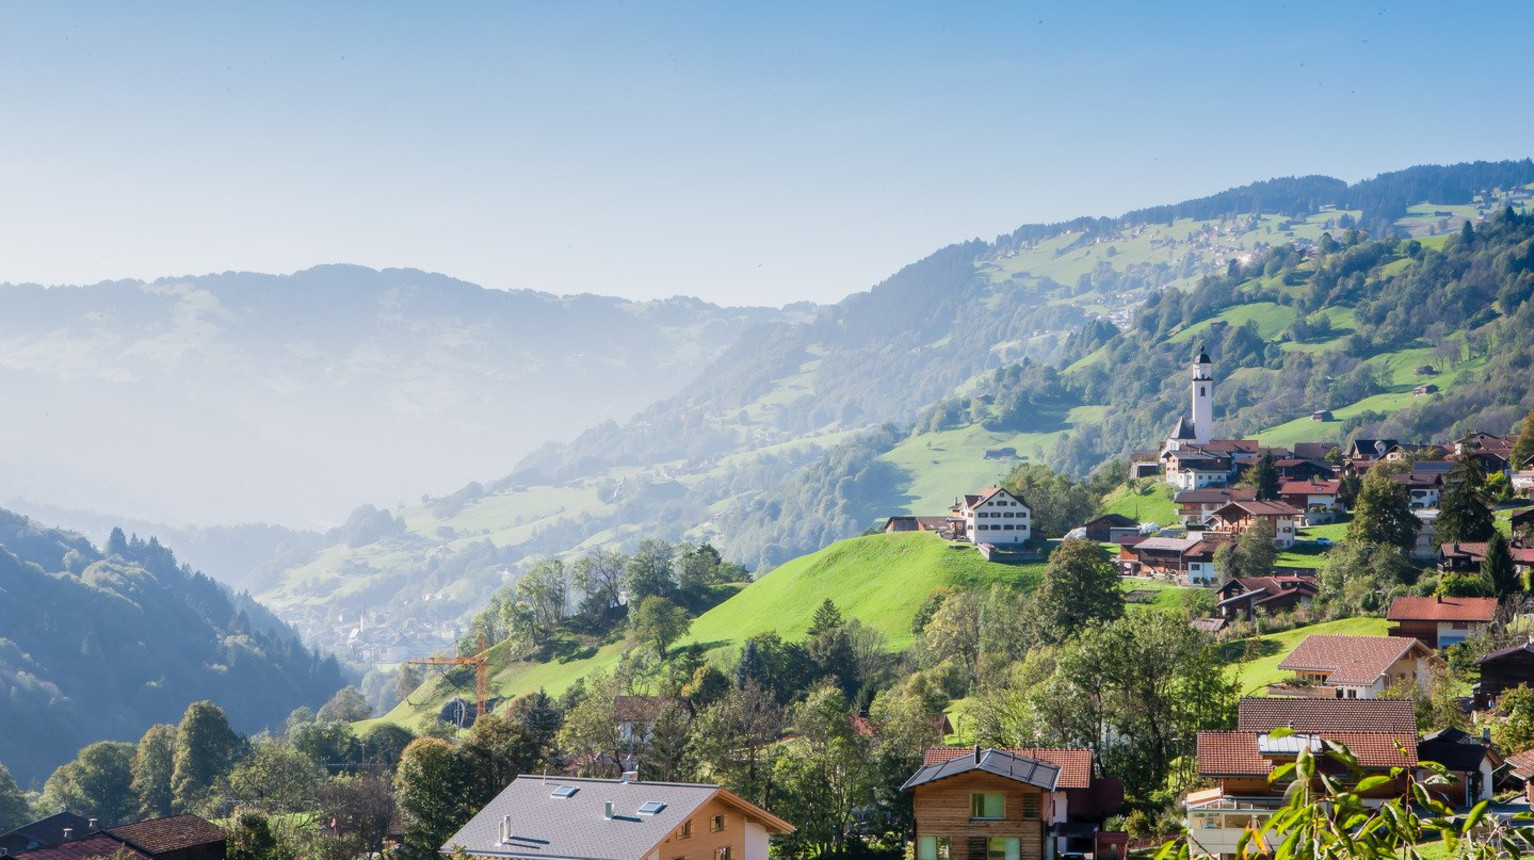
point(1066, 343)
point(101, 645)
point(290, 399)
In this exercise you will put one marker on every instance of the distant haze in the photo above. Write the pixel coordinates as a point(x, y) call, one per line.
point(291, 400)
point(745, 153)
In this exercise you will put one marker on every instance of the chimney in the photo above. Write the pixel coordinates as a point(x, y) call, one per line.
point(69, 833)
point(607, 810)
point(977, 753)
point(1438, 598)
point(631, 776)
point(94, 826)
point(1486, 736)
point(505, 829)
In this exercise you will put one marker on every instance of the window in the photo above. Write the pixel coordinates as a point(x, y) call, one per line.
point(986, 807)
point(716, 824)
point(722, 853)
point(1002, 848)
point(1031, 807)
point(565, 791)
point(685, 830)
point(933, 848)
point(651, 807)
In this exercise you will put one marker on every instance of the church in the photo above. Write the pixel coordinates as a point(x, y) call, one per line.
point(1191, 458)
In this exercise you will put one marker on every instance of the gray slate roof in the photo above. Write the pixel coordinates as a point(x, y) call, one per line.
point(576, 827)
point(999, 762)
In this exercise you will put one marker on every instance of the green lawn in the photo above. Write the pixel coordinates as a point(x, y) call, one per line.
point(1150, 502)
point(1254, 677)
point(1271, 318)
point(881, 580)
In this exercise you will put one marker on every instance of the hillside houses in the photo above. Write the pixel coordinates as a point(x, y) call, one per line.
point(1356, 667)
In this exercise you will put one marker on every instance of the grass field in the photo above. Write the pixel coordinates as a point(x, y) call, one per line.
point(881, 580)
point(1151, 501)
point(1254, 676)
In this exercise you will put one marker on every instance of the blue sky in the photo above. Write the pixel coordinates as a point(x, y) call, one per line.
point(745, 153)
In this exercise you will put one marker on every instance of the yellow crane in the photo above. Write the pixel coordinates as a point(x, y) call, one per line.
point(481, 675)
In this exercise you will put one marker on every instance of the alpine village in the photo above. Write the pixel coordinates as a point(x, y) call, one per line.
point(1305, 607)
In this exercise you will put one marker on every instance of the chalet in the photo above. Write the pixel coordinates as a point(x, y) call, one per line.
point(1111, 527)
point(616, 819)
point(1520, 767)
point(1424, 483)
point(1471, 760)
point(1381, 733)
point(1321, 415)
point(1468, 556)
point(1000, 454)
point(178, 837)
point(1298, 469)
point(995, 516)
point(1424, 390)
point(1246, 597)
point(1144, 464)
point(1521, 521)
point(1356, 667)
point(1193, 468)
point(1315, 451)
point(1010, 804)
point(1237, 517)
point(1318, 499)
point(1502, 671)
point(1491, 453)
point(1188, 559)
point(1195, 506)
point(44, 833)
point(1441, 621)
point(947, 528)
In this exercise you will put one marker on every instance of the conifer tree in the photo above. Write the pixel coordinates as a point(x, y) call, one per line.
point(1463, 512)
point(827, 617)
point(1497, 567)
point(1264, 478)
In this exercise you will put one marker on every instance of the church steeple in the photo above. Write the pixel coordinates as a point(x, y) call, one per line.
point(1203, 397)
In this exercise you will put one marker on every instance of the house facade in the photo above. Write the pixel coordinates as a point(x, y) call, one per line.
point(1504, 670)
point(1246, 597)
point(995, 516)
point(1356, 667)
point(994, 804)
point(1441, 621)
point(1195, 506)
point(1236, 517)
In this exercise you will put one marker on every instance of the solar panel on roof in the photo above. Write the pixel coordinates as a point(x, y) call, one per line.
point(651, 807)
point(565, 791)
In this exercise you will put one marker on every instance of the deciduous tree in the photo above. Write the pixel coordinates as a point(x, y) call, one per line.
point(153, 764)
point(1382, 512)
point(1080, 585)
point(206, 748)
point(97, 784)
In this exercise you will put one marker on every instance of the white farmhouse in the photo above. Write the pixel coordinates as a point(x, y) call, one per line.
point(995, 516)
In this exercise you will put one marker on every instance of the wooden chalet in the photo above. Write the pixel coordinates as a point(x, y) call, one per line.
point(1237, 517)
point(1469, 556)
point(1195, 506)
point(1502, 670)
point(1111, 527)
point(1011, 804)
point(1441, 621)
point(1246, 597)
point(1355, 667)
point(1471, 760)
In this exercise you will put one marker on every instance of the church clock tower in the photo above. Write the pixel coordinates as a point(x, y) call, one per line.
point(1203, 398)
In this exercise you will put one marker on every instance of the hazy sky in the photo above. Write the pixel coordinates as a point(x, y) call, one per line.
point(747, 153)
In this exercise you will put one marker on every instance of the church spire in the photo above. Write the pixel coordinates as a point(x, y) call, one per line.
point(1203, 397)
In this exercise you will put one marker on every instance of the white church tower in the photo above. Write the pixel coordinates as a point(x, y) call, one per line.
point(1203, 398)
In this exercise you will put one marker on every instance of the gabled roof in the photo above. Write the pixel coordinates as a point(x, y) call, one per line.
point(1165, 544)
point(1481, 609)
point(1476, 551)
point(1017, 768)
point(1521, 765)
point(1075, 764)
point(1256, 509)
point(1356, 660)
point(48, 830)
point(1313, 450)
point(1212, 495)
point(1184, 429)
point(97, 845)
point(1456, 750)
point(1310, 488)
point(527, 820)
point(1520, 648)
point(1225, 753)
point(1118, 520)
point(162, 835)
point(1327, 715)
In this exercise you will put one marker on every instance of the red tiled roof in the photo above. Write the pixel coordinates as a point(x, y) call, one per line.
point(91, 847)
point(1075, 764)
point(1350, 659)
point(1443, 609)
point(1235, 753)
point(1260, 714)
point(1522, 764)
point(1477, 551)
point(1310, 488)
point(162, 835)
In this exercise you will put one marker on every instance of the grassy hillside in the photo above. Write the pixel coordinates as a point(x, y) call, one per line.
point(881, 580)
point(1254, 676)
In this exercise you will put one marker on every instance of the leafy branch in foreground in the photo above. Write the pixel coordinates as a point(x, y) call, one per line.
point(1325, 816)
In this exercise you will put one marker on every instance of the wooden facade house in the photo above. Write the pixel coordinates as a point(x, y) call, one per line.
point(1356, 667)
point(1502, 670)
point(1012, 804)
point(1236, 517)
point(1440, 621)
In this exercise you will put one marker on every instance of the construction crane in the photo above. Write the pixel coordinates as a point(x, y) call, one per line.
point(481, 675)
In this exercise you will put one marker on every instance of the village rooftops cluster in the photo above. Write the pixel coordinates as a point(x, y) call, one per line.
point(65, 836)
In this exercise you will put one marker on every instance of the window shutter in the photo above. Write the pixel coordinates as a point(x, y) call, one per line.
point(1031, 806)
point(978, 848)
